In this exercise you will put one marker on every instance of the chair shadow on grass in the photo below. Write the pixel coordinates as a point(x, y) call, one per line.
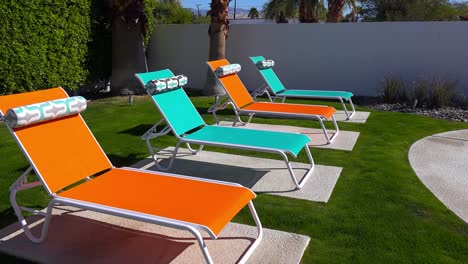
point(121, 161)
point(139, 130)
point(76, 239)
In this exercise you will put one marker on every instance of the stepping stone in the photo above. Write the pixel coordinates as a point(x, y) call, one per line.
point(358, 117)
point(344, 141)
point(259, 174)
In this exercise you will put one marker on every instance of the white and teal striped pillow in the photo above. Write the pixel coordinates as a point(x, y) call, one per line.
point(165, 84)
point(228, 69)
point(40, 112)
point(265, 64)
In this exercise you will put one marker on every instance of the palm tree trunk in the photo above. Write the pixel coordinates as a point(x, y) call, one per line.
point(218, 32)
point(217, 41)
point(335, 8)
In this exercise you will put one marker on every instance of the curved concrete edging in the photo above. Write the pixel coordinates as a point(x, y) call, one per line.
point(441, 162)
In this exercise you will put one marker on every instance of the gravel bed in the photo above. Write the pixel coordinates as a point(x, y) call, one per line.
point(449, 113)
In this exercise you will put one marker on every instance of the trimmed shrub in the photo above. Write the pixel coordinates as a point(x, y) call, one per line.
point(442, 92)
point(419, 92)
point(44, 44)
point(432, 93)
point(393, 88)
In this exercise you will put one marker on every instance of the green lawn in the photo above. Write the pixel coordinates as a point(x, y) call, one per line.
point(379, 212)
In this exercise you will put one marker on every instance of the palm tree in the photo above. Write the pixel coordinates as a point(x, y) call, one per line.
point(218, 31)
point(253, 13)
point(309, 10)
point(279, 10)
point(335, 9)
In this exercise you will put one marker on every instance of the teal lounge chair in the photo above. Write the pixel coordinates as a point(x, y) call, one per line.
point(188, 127)
point(278, 90)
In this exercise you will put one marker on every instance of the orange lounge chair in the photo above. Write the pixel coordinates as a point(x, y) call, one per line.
point(62, 151)
point(243, 103)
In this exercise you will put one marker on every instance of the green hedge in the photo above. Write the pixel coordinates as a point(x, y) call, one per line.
point(43, 44)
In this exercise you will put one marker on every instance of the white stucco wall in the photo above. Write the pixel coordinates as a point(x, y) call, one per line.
point(352, 56)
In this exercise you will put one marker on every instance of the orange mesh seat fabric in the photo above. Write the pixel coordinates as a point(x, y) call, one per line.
point(243, 101)
point(233, 85)
point(295, 109)
point(181, 199)
point(62, 152)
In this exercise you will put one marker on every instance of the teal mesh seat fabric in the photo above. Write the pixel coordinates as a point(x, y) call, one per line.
point(288, 142)
point(316, 93)
point(181, 114)
point(278, 88)
point(175, 105)
point(270, 77)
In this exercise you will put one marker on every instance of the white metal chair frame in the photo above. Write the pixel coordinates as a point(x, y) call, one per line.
point(225, 101)
point(264, 89)
point(153, 133)
point(22, 184)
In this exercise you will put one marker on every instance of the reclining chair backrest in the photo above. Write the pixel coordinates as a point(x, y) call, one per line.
point(63, 150)
point(174, 104)
point(233, 85)
point(270, 76)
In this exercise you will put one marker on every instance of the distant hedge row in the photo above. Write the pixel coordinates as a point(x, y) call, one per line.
point(43, 43)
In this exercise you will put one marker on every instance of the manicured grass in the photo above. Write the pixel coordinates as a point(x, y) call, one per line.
point(379, 212)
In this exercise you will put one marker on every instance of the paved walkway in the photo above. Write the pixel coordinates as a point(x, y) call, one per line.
point(441, 162)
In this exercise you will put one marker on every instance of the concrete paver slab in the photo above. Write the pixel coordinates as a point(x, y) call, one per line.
point(358, 117)
point(344, 141)
point(81, 236)
point(259, 174)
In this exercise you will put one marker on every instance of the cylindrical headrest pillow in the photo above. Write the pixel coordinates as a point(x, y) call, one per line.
point(228, 70)
point(35, 113)
point(265, 64)
point(165, 84)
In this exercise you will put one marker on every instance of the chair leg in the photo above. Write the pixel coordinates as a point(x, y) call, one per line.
point(304, 179)
point(353, 110)
point(194, 151)
point(344, 107)
point(24, 225)
point(237, 119)
point(337, 130)
point(201, 244)
point(214, 108)
point(257, 241)
point(269, 97)
point(250, 250)
point(220, 106)
point(251, 115)
point(325, 133)
point(348, 114)
point(171, 161)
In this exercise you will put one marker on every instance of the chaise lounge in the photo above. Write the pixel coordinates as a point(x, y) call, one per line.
point(243, 104)
point(74, 170)
point(277, 89)
point(188, 126)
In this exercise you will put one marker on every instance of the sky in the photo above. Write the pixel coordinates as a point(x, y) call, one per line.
point(245, 4)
